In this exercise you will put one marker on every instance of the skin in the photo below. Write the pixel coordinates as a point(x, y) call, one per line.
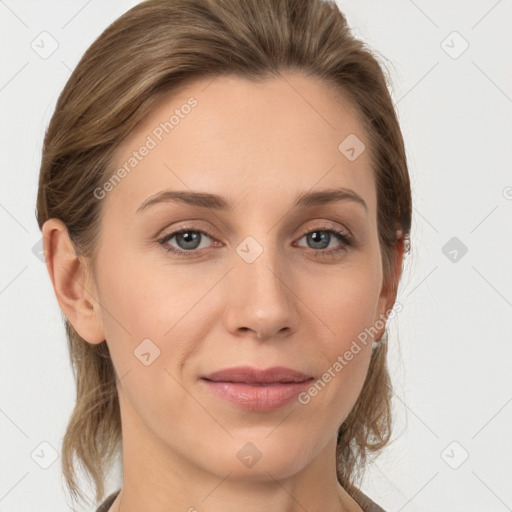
point(259, 145)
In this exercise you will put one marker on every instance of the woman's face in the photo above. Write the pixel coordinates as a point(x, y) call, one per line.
point(263, 283)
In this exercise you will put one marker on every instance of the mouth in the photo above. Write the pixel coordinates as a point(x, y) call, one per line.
point(249, 375)
point(256, 389)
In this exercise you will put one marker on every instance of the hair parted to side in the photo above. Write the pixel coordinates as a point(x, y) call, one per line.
point(151, 50)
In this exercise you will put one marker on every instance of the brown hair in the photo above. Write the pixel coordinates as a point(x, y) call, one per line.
point(154, 48)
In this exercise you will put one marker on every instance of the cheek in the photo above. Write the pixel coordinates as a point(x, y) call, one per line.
point(143, 310)
point(351, 318)
point(150, 306)
point(143, 298)
point(346, 301)
point(346, 304)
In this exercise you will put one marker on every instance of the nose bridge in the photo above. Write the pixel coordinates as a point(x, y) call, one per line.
point(260, 300)
point(259, 265)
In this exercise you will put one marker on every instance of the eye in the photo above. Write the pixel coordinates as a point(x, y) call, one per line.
point(327, 241)
point(323, 240)
point(188, 240)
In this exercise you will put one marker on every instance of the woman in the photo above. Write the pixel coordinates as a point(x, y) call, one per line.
point(225, 207)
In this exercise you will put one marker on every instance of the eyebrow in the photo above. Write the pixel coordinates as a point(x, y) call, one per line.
point(216, 202)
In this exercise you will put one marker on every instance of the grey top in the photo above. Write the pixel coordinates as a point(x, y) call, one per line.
point(108, 502)
point(362, 500)
point(366, 503)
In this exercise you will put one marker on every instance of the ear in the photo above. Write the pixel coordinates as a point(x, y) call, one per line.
point(72, 282)
point(389, 290)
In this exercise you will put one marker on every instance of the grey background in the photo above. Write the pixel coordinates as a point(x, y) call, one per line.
point(451, 361)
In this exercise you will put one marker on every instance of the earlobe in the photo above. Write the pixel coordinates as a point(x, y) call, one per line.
point(74, 288)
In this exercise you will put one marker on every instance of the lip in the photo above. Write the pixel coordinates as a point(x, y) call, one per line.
point(256, 389)
point(251, 375)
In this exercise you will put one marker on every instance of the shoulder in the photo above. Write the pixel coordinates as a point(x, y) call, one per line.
point(107, 503)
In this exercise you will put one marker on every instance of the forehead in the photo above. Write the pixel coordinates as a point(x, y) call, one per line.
point(238, 138)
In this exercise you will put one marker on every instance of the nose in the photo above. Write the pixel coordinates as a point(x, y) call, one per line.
point(261, 303)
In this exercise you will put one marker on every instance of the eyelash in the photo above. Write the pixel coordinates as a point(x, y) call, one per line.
point(342, 236)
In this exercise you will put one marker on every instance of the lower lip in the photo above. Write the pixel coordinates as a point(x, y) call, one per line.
point(253, 397)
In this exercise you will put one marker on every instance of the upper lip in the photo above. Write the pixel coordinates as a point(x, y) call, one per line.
point(251, 375)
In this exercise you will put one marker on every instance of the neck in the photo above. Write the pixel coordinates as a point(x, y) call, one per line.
point(158, 478)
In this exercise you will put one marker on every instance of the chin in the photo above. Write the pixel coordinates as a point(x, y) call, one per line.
point(262, 457)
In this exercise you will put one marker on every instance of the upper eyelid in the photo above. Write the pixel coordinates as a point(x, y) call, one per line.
point(328, 226)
